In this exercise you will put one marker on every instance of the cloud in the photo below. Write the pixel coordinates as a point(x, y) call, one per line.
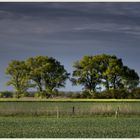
point(110, 27)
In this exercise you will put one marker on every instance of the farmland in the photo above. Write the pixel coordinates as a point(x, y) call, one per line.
point(42, 127)
point(69, 118)
point(69, 108)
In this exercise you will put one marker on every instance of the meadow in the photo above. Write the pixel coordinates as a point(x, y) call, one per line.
point(96, 127)
point(69, 108)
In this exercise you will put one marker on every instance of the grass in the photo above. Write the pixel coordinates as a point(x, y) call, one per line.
point(68, 99)
point(65, 108)
point(41, 127)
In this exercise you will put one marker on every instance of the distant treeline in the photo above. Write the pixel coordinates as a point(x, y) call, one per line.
point(47, 75)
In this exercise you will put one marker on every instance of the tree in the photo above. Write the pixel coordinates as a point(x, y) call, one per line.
point(103, 70)
point(130, 78)
point(17, 71)
point(114, 72)
point(47, 73)
point(109, 69)
point(102, 64)
point(86, 74)
point(35, 75)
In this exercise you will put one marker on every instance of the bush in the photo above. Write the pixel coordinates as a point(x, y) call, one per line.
point(43, 94)
point(69, 94)
point(6, 94)
point(37, 94)
point(76, 95)
point(112, 94)
point(61, 93)
point(30, 94)
point(87, 94)
point(135, 93)
point(20, 95)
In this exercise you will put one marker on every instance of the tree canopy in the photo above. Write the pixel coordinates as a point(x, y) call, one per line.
point(19, 78)
point(43, 72)
point(47, 73)
point(103, 70)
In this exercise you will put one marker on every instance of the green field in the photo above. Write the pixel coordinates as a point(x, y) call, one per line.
point(69, 118)
point(69, 108)
point(42, 127)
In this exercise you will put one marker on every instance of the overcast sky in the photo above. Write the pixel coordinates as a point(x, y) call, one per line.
point(67, 32)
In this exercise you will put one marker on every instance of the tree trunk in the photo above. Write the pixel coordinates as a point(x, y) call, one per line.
point(107, 85)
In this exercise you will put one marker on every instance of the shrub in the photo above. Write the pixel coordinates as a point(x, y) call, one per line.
point(30, 94)
point(135, 93)
point(110, 94)
point(6, 94)
point(37, 94)
point(87, 94)
point(76, 95)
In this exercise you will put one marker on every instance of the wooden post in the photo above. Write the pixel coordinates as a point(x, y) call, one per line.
point(73, 110)
point(57, 112)
point(117, 113)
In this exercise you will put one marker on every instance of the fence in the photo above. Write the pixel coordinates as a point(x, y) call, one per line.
point(69, 109)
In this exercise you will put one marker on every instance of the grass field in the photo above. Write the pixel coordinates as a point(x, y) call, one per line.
point(68, 118)
point(69, 108)
point(41, 127)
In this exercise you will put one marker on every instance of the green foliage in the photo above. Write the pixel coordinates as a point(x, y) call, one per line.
point(86, 73)
point(130, 78)
point(113, 94)
point(135, 93)
point(103, 70)
point(87, 94)
point(92, 72)
point(21, 95)
point(6, 94)
point(18, 73)
point(47, 74)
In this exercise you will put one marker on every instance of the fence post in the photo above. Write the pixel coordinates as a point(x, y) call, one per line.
point(117, 113)
point(73, 110)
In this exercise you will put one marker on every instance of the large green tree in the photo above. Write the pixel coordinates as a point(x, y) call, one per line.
point(104, 70)
point(35, 71)
point(17, 71)
point(47, 73)
point(114, 72)
point(86, 74)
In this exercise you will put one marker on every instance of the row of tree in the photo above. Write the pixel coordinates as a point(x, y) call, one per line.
point(93, 72)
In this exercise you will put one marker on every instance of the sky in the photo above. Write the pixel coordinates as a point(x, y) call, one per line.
point(67, 32)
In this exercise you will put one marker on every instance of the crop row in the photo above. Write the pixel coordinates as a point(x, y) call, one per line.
point(42, 127)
